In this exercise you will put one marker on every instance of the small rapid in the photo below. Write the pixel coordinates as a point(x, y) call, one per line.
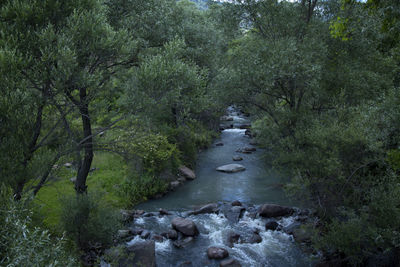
point(277, 248)
point(252, 187)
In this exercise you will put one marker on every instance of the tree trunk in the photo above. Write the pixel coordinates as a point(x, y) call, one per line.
point(87, 145)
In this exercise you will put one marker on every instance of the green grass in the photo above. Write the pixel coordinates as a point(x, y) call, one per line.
point(109, 174)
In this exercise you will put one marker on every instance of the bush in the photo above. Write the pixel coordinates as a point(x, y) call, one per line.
point(22, 244)
point(88, 220)
point(138, 188)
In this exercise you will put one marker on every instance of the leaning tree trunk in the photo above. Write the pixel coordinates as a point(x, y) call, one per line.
point(87, 145)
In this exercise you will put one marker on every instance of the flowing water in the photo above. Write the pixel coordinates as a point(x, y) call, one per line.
point(254, 186)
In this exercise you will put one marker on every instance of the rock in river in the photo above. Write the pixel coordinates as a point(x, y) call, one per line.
point(272, 210)
point(217, 253)
point(272, 225)
point(185, 226)
point(230, 263)
point(231, 168)
point(237, 158)
point(183, 242)
point(187, 173)
point(171, 234)
point(209, 208)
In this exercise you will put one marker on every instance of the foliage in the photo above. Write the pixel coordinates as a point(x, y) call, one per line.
point(137, 188)
point(88, 220)
point(23, 244)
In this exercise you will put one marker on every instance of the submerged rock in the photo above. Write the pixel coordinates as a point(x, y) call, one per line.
point(185, 226)
point(219, 144)
point(183, 242)
point(254, 238)
point(272, 210)
point(249, 149)
point(237, 158)
point(217, 253)
point(171, 234)
point(232, 238)
point(230, 263)
point(209, 208)
point(231, 168)
point(187, 173)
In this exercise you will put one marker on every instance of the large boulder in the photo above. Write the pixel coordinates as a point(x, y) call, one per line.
point(230, 263)
point(231, 168)
point(185, 226)
point(144, 254)
point(217, 253)
point(272, 210)
point(209, 208)
point(187, 173)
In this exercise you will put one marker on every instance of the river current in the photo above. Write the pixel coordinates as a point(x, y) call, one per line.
point(254, 186)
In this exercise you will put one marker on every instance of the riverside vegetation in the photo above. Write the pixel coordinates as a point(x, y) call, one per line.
point(103, 100)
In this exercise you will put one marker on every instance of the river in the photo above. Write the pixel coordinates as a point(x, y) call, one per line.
point(254, 186)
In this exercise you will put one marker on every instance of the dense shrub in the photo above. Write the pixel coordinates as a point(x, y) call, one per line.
point(88, 220)
point(140, 187)
point(23, 244)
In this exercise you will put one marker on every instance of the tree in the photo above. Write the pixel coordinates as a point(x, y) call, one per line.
point(65, 54)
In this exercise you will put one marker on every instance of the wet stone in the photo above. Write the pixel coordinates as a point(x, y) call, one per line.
point(217, 253)
point(185, 226)
point(232, 238)
point(230, 263)
point(236, 203)
point(272, 225)
point(171, 234)
point(237, 158)
point(145, 234)
point(183, 242)
point(163, 212)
